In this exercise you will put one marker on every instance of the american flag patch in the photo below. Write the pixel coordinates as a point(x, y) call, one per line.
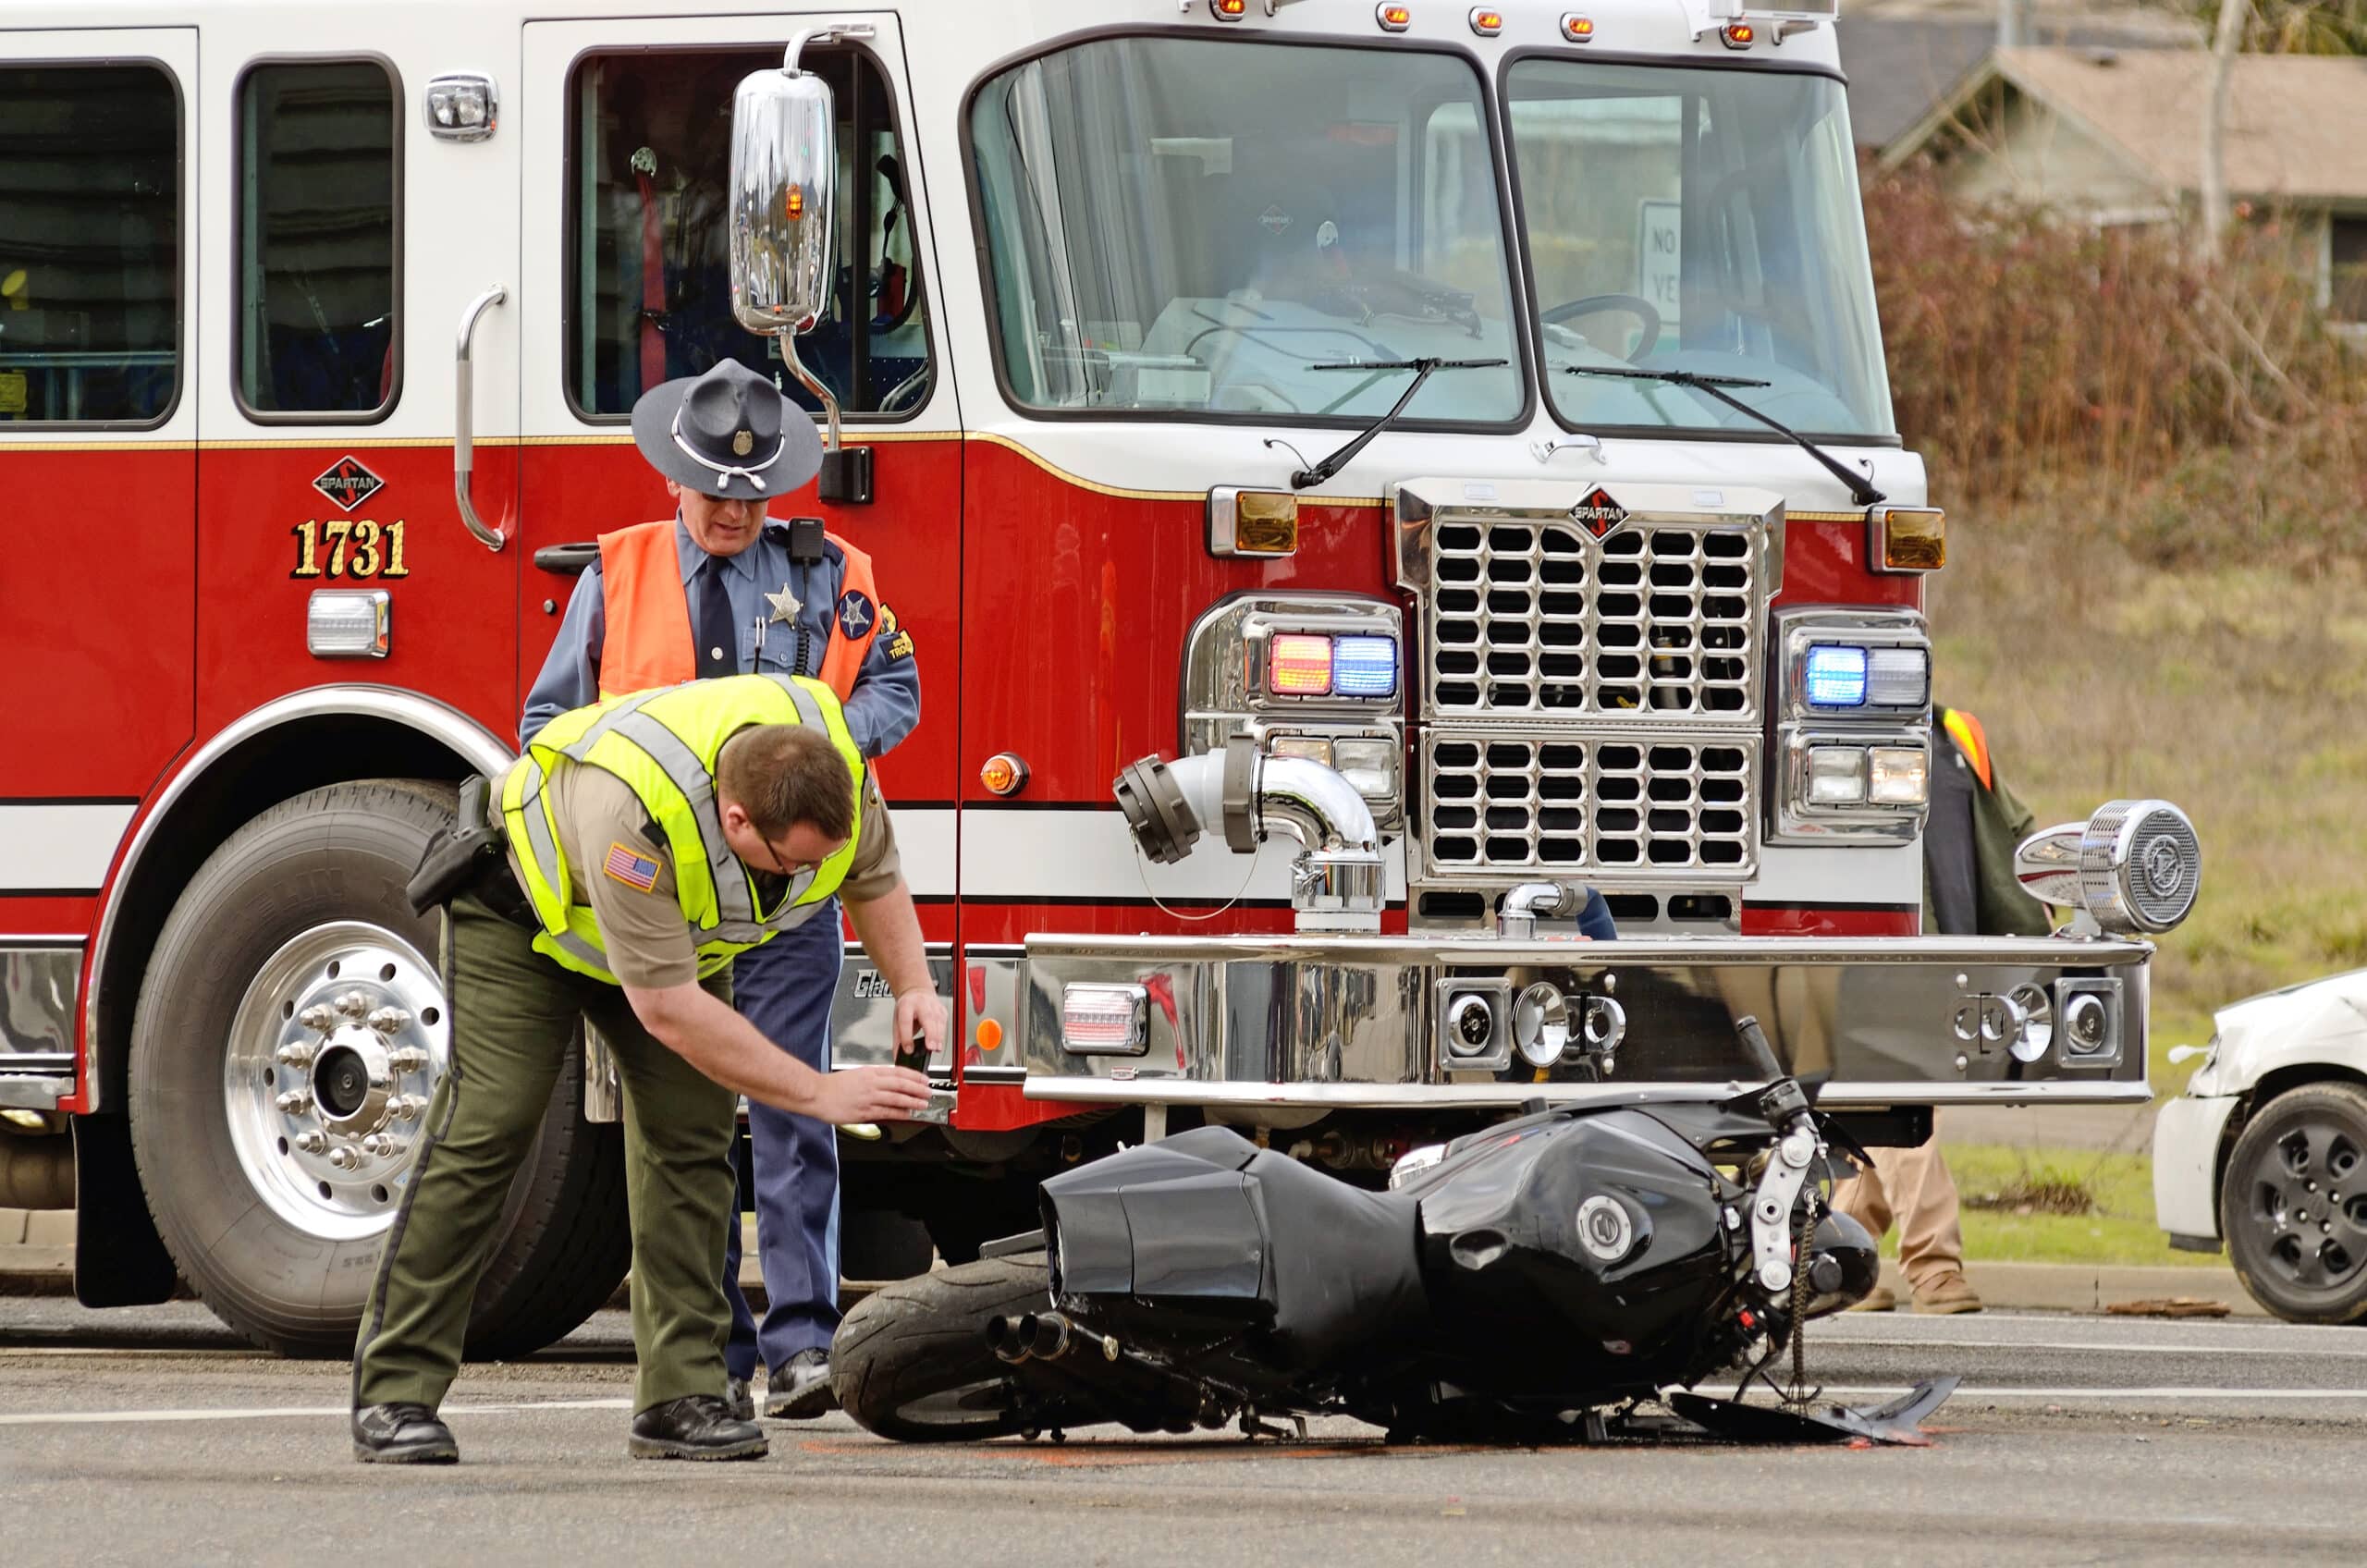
point(630, 867)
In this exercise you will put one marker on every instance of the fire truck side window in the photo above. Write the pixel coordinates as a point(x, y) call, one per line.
point(649, 286)
point(317, 295)
point(89, 244)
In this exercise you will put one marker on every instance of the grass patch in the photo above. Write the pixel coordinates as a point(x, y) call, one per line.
point(2119, 1227)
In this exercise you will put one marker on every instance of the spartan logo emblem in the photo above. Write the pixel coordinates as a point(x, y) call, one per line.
point(1598, 514)
point(2164, 868)
point(349, 483)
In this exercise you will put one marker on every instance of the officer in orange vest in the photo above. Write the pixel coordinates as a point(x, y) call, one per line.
point(1968, 889)
point(722, 589)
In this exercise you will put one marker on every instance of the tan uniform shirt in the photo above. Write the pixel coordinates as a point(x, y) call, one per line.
point(649, 943)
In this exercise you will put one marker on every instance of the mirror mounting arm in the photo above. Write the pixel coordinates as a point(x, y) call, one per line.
point(838, 34)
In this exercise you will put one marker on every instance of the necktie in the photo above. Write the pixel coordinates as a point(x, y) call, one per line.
point(719, 643)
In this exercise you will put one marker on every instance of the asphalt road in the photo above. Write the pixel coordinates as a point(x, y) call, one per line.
point(154, 1438)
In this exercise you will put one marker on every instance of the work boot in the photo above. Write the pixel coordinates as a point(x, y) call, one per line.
point(696, 1427)
point(736, 1396)
point(1881, 1298)
point(1945, 1294)
point(801, 1391)
point(402, 1434)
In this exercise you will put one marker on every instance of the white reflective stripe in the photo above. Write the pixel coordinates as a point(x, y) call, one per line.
point(577, 947)
point(1087, 853)
point(67, 847)
point(580, 747)
point(686, 773)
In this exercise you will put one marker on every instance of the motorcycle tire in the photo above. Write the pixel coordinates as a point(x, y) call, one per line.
point(910, 1362)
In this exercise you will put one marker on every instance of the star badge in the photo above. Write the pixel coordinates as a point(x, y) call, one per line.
point(785, 605)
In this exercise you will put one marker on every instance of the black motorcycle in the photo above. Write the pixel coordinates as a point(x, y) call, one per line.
point(1570, 1275)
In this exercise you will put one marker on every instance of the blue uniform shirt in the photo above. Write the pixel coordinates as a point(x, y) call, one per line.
point(883, 708)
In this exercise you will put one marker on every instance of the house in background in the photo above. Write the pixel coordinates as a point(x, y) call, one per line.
point(2117, 136)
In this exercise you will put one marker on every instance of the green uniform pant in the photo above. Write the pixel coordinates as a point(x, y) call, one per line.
point(514, 1020)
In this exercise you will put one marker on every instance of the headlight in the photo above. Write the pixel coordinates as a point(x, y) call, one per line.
point(1852, 735)
point(1836, 775)
point(1898, 776)
point(1370, 765)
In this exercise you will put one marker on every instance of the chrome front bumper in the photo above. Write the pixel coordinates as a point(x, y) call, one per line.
point(1275, 1028)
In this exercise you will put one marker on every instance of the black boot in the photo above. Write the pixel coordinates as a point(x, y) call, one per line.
point(402, 1434)
point(696, 1427)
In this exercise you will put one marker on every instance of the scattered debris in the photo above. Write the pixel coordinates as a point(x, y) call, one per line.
point(2168, 1307)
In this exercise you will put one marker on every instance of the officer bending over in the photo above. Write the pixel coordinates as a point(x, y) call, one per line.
point(650, 839)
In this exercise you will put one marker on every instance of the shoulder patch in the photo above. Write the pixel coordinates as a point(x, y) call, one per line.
point(629, 866)
point(855, 614)
point(887, 621)
point(900, 647)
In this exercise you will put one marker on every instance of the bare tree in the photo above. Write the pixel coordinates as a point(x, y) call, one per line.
point(2225, 39)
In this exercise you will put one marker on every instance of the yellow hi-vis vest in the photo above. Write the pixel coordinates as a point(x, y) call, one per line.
point(664, 743)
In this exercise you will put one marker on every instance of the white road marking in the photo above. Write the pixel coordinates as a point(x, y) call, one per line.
point(265, 1412)
point(2313, 1352)
point(1961, 1394)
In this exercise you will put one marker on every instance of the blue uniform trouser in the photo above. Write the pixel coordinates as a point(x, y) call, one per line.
point(785, 988)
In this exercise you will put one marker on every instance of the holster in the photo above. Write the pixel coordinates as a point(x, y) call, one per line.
point(461, 857)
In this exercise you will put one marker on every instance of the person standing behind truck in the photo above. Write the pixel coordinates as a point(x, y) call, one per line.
point(722, 589)
point(1968, 889)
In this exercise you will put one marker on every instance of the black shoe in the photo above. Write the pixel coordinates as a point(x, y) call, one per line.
point(402, 1434)
point(801, 1391)
point(696, 1427)
point(736, 1397)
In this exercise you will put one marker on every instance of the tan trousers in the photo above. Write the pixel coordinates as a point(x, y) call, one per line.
point(1914, 1187)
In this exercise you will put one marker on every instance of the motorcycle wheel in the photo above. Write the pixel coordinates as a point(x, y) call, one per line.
point(910, 1362)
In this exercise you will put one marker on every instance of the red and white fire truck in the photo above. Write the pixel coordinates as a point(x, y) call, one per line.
point(1455, 439)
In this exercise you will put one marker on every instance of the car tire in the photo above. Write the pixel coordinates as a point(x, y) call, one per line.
point(2293, 1205)
point(302, 913)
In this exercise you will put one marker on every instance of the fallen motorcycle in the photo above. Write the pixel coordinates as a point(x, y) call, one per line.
point(1570, 1275)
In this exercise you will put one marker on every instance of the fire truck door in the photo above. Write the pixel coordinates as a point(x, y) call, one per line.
point(99, 373)
point(627, 284)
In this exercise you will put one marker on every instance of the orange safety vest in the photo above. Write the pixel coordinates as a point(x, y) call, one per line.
point(1972, 741)
point(648, 640)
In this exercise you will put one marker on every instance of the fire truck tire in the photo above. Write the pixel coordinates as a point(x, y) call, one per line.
point(911, 1361)
point(274, 1153)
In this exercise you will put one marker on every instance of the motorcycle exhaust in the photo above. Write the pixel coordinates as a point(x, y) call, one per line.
point(1032, 1336)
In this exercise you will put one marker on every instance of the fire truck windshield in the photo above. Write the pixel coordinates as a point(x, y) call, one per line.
point(1197, 228)
point(1698, 220)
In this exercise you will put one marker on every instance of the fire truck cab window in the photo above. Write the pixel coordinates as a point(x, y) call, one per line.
point(650, 279)
point(89, 244)
point(1697, 220)
point(317, 305)
point(1197, 228)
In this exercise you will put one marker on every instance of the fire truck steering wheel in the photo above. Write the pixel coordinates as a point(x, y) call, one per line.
point(1596, 304)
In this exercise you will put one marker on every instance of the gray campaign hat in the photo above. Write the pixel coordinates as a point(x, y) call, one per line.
point(727, 433)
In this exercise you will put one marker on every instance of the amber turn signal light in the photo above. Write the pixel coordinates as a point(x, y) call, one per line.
point(1907, 539)
point(1003, 774)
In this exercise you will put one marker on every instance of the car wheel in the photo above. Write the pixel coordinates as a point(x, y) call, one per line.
point(2293, 1205)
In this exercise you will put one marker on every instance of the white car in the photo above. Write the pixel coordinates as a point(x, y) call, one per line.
point(2268, 1150)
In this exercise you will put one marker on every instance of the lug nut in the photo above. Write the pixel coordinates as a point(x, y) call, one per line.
point(295, 1102)
point(313, 1142)
point(388, 1020)
point(353, 1004)
point(405, 1107)
point(409, 1058)
point(317, 1018)
point(344, 1157)
point(296, 1053)
point(378, 1143)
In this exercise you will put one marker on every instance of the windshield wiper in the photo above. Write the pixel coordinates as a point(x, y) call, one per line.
point(1860, 490)
point(1307, 477)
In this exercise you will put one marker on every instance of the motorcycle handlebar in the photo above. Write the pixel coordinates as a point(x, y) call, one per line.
point(1755, 1049)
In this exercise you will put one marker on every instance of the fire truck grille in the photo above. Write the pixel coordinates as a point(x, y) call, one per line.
point(1530, 618)
point(1624, 807)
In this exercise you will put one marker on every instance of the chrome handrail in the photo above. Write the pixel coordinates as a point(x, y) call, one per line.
point(463, 412)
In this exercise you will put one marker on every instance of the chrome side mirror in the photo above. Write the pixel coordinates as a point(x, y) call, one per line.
point(2133, 868)
point(784, 173)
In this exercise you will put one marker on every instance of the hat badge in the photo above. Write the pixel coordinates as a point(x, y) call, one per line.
point(743, 443)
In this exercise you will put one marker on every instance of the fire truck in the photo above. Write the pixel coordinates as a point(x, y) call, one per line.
point(1359, 481)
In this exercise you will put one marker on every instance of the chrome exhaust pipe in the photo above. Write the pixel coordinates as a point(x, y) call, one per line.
point(1008, 1337)
point(1049, 1339)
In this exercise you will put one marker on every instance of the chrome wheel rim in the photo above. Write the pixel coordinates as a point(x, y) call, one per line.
point(333, 1054)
